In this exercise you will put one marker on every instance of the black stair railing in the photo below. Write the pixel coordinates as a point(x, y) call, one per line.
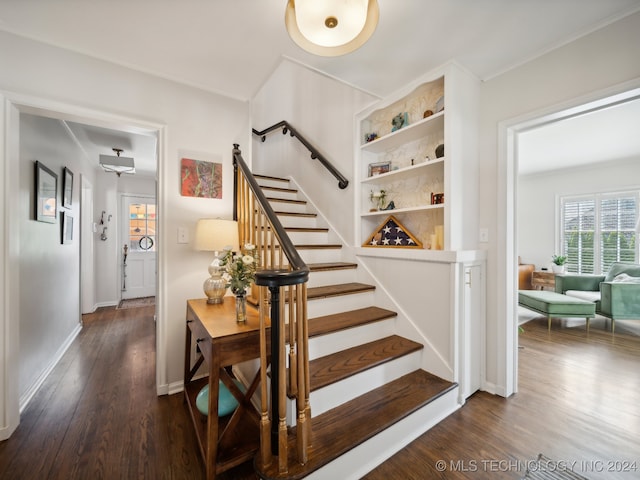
point(315, 154)
point(282, 297)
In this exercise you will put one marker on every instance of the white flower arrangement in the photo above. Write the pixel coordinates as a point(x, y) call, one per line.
point(240, 268)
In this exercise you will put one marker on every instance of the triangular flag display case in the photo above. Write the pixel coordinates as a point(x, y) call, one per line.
point(391, 233)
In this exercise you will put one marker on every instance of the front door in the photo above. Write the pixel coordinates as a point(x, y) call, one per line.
point(139, 247)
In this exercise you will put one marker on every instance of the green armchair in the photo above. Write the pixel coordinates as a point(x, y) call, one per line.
point(616, 294)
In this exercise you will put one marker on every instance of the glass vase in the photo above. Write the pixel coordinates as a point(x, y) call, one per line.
point(241, 307)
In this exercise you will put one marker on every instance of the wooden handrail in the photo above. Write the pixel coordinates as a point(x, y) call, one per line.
point(315, 154)
point(281, 282)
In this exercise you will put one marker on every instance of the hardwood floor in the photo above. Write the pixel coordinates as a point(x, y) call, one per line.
point(97, 415)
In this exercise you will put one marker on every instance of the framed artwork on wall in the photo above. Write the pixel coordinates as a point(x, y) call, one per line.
point(46, 194)
point(67, 188)
point(199, 178)
point(66, 228)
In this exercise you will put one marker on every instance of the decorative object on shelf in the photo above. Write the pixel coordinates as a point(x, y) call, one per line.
point(379, 168)
point(391, 233)
point(391, 206)
point(240, 273)
point(333, 28)
point(67, 188)
point(440, 104)
point(437, 238)
point(440, 151)
point(378, 199)
point(370, 137)
point(227, 403)
point(437, 198)
point(427, 158)
point(212, 235)
point(46, 193)
point(200, 179)
point(427, 113)
point(558, 263)
point(399, 121)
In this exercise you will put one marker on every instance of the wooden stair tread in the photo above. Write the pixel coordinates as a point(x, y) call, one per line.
point(269, 177)
point(300, 229)
point(323, 267)
point(286, 200)
point(317, 246)
point(296, 214)
point(279, 189)
point(339, 430)
point(337, 290)
point(332, 368)
point(344, 320)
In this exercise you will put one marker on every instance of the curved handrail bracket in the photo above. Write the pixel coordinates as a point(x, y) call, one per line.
point(315, 154)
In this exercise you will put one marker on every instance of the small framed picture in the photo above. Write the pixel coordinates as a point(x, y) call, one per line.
point(66, 222)
point(379, 168)
point(67, 188)
point(46, 194)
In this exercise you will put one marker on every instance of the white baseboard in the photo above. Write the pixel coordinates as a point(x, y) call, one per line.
point(31, 391)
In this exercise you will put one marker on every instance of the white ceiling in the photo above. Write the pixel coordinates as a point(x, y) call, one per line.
point(604, 135)
point(232, 46)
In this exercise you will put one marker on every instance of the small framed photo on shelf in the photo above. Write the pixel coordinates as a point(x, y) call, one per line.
point(379, 168)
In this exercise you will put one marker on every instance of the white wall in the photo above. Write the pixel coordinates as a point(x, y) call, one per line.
point(49, 272)
point(108, 253)
point(597, 62)
point(538, 206)
point(80, 87)
point(322, 110)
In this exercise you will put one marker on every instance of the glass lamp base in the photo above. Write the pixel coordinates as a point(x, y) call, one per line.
point(214, 288)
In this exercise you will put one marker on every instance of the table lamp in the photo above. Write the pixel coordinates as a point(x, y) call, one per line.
point(213, 235)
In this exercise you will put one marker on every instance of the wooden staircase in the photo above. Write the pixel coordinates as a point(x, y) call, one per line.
point(369, 397)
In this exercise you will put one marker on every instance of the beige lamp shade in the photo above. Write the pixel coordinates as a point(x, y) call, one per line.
point(213, 234)
point(331, 27)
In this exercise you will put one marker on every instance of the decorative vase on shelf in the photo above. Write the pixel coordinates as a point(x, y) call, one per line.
point(241, 306)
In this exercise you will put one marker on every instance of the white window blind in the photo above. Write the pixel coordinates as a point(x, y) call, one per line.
point(599, 229)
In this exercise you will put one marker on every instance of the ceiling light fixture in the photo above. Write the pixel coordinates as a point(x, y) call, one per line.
point(117, 164)
point(331, 27)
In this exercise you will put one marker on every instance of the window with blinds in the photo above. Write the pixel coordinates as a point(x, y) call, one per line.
point(599, 229)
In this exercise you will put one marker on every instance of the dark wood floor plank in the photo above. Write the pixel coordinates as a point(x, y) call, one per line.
point(579, 400)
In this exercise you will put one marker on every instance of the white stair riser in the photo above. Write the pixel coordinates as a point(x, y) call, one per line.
point(264, 182)
point(330, 277)
point(340, 392)
point(295, 221)
point(283, 195)
point(341, 303)
point(290, 207)
point(355, 463)
point(312, 238)
point(324, 345)
point(320, 255)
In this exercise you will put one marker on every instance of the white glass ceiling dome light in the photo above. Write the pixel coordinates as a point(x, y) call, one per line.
point(331, 27)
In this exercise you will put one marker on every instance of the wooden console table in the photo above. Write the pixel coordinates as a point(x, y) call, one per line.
point(540, 280)
point(220, 341)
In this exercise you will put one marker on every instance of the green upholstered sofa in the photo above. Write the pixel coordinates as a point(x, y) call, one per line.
point(616, 294)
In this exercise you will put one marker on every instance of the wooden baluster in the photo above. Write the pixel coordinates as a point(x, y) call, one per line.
point(283, 455)
point(301, 420)
point(293, 363)
point(265, 423)
point(305, 363)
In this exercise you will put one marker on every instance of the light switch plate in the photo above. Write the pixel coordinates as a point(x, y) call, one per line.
point(484, 235)
point(183, 235)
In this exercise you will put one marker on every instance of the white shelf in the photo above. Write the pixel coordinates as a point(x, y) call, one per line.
point(407, 134)
point(403, 173)
point(379, 213)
